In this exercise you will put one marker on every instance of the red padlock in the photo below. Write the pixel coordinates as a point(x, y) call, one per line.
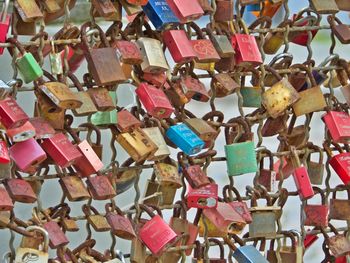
point(27, 154)
point(75, 57)
point(154, 100)
point(5, 200)
point(340, 162)
point(61, 150)
point(155, 233)
point(11, 114)
point(185, 12)
point(100, 187)
point(203, 197)
point(301, 178)
point(338, 124)
point(20, 190)
point(5, 20)
point(179, 45)
point(157, 79)
point(309, 240)
point(43, 128)
point(246, 48)
point(194, 174)
point(317, 215)
point(287, 168)
point(57, 237)
point(21, 133)
point(127, 121)
point(4, 153)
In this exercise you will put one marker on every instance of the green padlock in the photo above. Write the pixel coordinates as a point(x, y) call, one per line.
point(251, 96)
point(102, 118)
point(26, 64)
point(240, 156)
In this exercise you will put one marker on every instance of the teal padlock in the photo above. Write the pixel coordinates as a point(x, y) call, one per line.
point(251, 96)
point(240, 156)
point(27, 66)
point(103, 118)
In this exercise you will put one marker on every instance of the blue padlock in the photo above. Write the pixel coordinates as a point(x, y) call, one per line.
point(160, 14)
point(185, 139)
point(254, 7)
point(248, 254)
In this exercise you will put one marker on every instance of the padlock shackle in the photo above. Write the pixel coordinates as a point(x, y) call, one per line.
point(339, 188)
point(45, 234)
point(227, 192)
point(231, 124)
point(308, 72)
point(87, 209)
point(317, 149)
point(343, 63)
point(4, 10)
point(269, 155)
point(180, 211)
point(285, 59)
point(17, 44)
point(109, 207)
point(314, 19)
point(273, 72)
point(221, 246)
point(212, 114)
point(84, 40)
point(92, 128)
point(321, 192)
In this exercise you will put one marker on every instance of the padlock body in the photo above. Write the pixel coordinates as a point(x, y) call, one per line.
point(100, 187)
point(195, 176)
point(120, 226)
point(29, 68)
point(179, 45)
point(4, 28)
point(263, 224)
point(184, 12)
point(203, 197)
point(21, 133)
point(74, 188)
point(6, 203)
point(56, 235)
point(160, 14)
point(316, 215)
point(20, 191)
point(341, 165)
point(128, 52)
point(11, 114)
point(338, 126)
point(246, 48)
point(248, 254)
point(302, 182)
point(156, 136)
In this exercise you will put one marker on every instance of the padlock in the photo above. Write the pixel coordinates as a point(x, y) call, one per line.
point(153, 56)
point(251, 96)
point(22, 133)
point(61, 150)
point(156, 241)
point(311, 99)
point(339, 209)
point(264, 218)
point(203, 48)
point(159, 80)
point(42, 128)
point(179, 45)
point(343, 5)
point(225, 218)
point(185, 13)
point(156, 135)
point(28, 10)
point(202, 197)
point(51, 6)
point(202, 129)
point(338, 244)
point(184, 138)
point(26, 63)
point(154, 100)
point(120, 224)
point(6, 203)
point(96, 146)
point(44, 109)
point(178, 222)
point(55, 61)
point(337, 125)
point(322, 7)
point(301, 177)
point(137, 144)
point(11, 114)
point(20, 190)
point(74, 188)
point(317, 215)
point(294, 252)
point(105, 118)
point(239, 205)
point(240, 156)
point(59, 94)
point(101, 98)
point(220, 41)
point(27, 154)
point(104, 8)
point(274, 40)
point(223, 85)
point(167, 174)
point(168, 193)
point(137, 251)
point(4, 24)
point(280, 96)
point(128, 52)
point(224, 11)
point(20, 27)
point(267, 177)
point(100, 187)
point(97, 221)
point(57, 238)
point(160, 14)
point(104, 72)
point(127, 121)
point(194, 175)
point(25, 254)
point(302, 37)
point(199, 252)
point(340, 30)
point(315, 169)
point(246, 48)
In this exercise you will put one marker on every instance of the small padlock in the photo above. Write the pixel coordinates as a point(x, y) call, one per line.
point(223, 85)
point(167, 174)
point(100, 187)
point(96, 146)
point(6, 203)
point(224, 11)
point(322, 7)
point(341, 31)
point(160, 14)
point(104, 8)
point(4, 24)
point(185, 13)
point(179, 45)
point(337, 124)
point(74, 188)
point(57, 238)
point(267, 177)
point(202, 129)
point(19, 189)
point(220, 41)
point(315, 169)
point(22, 133)
point(127, 121)
point(97, 221)
point(11, 114)
point(28, 10)
point(317, 215)
point(155, 134)
point(339, 209)
point(202, 197)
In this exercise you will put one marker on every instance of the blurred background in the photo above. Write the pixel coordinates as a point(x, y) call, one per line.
point(51, 192)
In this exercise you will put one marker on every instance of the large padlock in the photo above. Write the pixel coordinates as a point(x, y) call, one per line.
point(26, 63)
point(185, 13)
point(160, 14)
point(317, 215)
point(184, 138)
point(179, 45)
point(339, 209)
point(11, 114)
point(120, 224)
point(61, 150)
point(155, 233)
point(100, 187)
point(240, 156)
point(27, 154)
point(95, 219)
point(154, 100)
point(4, 24)
point(103, 71)
point(202, 197)
point(25, 254)
point(19, 189)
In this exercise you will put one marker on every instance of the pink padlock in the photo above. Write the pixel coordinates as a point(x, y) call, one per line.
point(27, 154)
point(4, 153)
point(11, 114)
point(156, 234)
